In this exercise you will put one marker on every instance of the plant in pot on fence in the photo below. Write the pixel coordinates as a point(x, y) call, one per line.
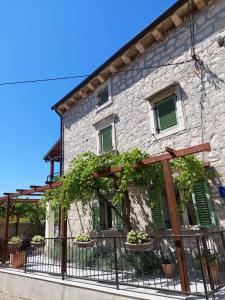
point(15, 242)
point(168, 265)
point(139, 241)
point(38, 241)
point(210, 257)
point(83, 240)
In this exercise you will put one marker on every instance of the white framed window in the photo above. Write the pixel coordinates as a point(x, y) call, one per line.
point(103, 96)
point(166, 114)
point(106, 134)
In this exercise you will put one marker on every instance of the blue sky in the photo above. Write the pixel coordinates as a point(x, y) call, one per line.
point(52, 38)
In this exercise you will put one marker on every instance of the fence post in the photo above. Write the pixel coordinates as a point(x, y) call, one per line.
point(63, 235)
point(25, 267)
point(207, 260)
point(116, 263)
point(202, 268)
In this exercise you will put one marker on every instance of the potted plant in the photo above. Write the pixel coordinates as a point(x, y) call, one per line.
point(83, 240)
point(15, 242)
point(168, 265)
point(211, 257)
point(138, 241)
point(17, 258)
point(38, 241)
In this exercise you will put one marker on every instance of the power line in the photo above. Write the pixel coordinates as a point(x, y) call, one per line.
point(91, 75)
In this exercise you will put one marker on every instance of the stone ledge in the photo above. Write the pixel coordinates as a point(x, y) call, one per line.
point(36, 287)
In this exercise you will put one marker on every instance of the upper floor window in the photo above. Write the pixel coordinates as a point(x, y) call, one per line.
point(105, 137)
point(103, 96)
point(166, 116)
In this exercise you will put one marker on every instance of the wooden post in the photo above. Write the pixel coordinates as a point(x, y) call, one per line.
point(6, 231)
point(63, 236)
point(51, 170)
point(17, 225)
point(175, 222)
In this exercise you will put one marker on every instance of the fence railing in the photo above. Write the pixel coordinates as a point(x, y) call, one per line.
point(109, 260)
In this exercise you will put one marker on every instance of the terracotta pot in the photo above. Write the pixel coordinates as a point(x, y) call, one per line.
point(17, 259)
point(168, 269)
point(214, 271)
point(140, 247)
point(89, 244)
point(14, 245)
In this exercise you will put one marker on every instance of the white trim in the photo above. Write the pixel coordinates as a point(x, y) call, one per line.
point(179, 111)
point(110, 100)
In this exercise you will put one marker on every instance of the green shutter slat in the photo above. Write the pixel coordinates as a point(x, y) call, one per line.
point(95, 214)
point(103, 96)
point(203, 206)
point(166, 113)
point(119, 221)
point(158, 217)
point(106, 139)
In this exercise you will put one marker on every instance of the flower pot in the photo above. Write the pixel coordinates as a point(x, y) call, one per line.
point(17, 259)
point(37, 244)
point(214, 271)
point(168, 269)
point(140, 247)
point(88, 244)
point(14, 246)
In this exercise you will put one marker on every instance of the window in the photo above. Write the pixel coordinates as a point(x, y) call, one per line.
point(103, 96)
point(104, 217)
point(105, 137)
point(106, 133)
point(166, 116)
point(199, 210)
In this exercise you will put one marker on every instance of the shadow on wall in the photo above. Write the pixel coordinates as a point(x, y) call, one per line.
point(140, 209)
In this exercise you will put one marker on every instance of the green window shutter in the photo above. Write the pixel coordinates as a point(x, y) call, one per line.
point(166, 113)
point(95, 214)
point(118, 220)
point(103, 96)
point(158, 216)
point(106, 139)
point(203, 205)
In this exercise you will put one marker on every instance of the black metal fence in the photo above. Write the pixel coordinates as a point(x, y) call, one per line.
point(109, 260)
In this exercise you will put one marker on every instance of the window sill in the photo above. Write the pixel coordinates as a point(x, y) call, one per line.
point(101, 107)
point(162, 135)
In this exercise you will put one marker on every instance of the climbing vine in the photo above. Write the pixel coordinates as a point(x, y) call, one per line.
point(82, 180)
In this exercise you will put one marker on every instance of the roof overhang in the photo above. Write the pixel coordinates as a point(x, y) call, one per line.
point(54, 153)
point(155, 32)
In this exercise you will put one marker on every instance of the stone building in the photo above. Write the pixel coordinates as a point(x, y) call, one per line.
point(165, 87)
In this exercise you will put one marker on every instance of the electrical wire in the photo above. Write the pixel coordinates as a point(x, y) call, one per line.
point(92, 75)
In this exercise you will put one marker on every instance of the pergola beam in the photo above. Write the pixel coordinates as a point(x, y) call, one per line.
point(32, 191)
point(159, 158)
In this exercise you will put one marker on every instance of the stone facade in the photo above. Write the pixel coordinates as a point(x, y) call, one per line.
point(202, 94)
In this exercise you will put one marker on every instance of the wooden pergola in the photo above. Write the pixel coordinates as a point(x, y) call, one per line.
point(18, 197)
point(171, 197)
point(170, 192)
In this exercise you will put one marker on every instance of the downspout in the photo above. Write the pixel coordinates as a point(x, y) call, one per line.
point(61, 143)
point(61, 158)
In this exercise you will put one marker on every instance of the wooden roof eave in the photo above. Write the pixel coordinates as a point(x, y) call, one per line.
point(155, 32)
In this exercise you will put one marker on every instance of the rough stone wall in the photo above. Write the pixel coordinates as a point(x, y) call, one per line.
point(202, 95)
